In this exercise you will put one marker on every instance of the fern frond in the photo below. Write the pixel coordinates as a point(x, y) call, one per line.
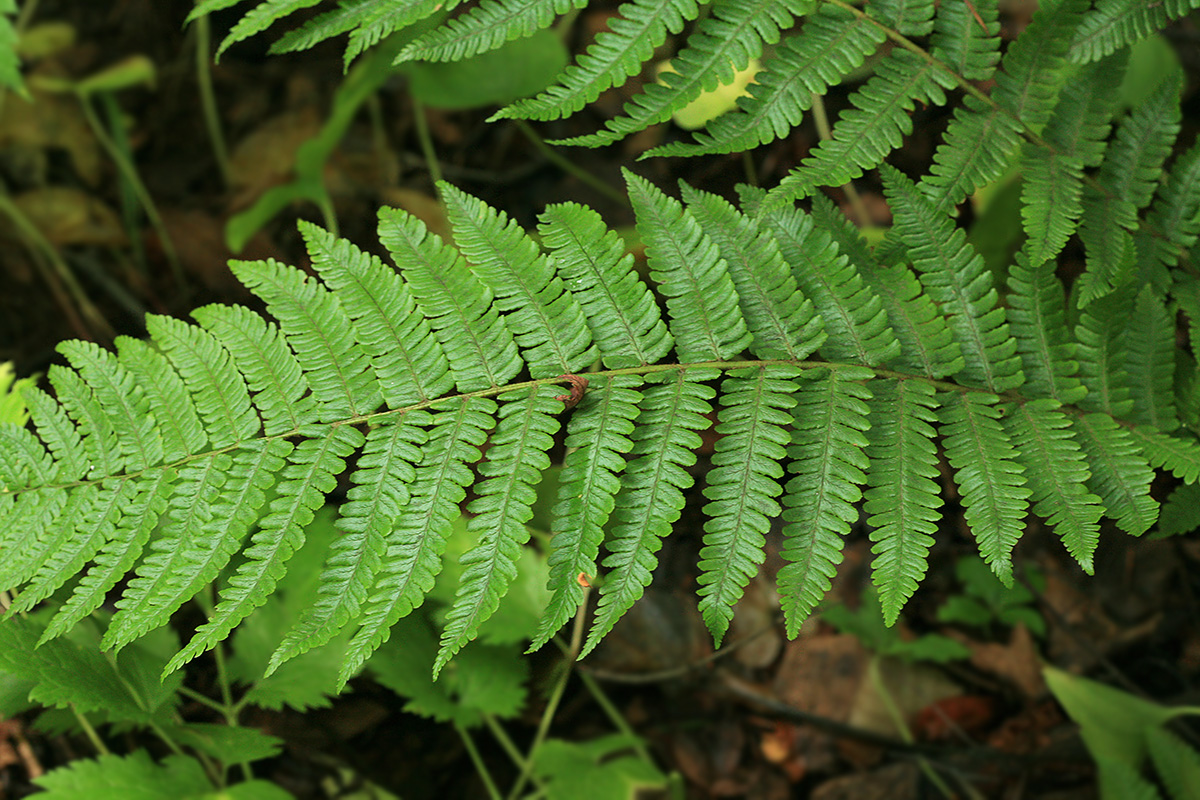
point(1103, 354)
point(217, 388)
point(414, 549)
point(118, 555)
point(99, 440)
point(909, 17)
point(1178, 454)
point(623, 316)
point(326, 25)
point(311, 473)
point(68, 458)
point(480, 349)
point(926, 343)
point(865, 134)
point(827, 468)
point(705, 319)
point(1057, 473)
point(1120, 477)
point(832, 43)
point(405, 356)
point(546, 320)
point(270, 368)
point(742, 486)
point(367, 518)
point(781, 321)
point(902, 497)
point(651, 495)
point(1127, 179)
point(618, 53)
point(486, 27)
point(990, 480)
point(966, 37)
point(597, 439)
point(1175, 213)
point(722, 44)
point(975, 150)
point(1038, 320)
point(256, 20)
point(855, 320)
point(179, 428)
point(1035, 65)
point(513, 468)
point(1150, 362)
point(955, 277)
point(388, 18)
point(1115, 24)
point(319, 331)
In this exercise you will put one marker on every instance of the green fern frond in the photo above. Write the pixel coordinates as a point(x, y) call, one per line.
point(1035, 67)
point(954, 276)
point(723, 43)
point(1178, 454)
point(1175, 212)
point(966, 37)
point(256, 20)
point(1150, 362)
point(832, 43)
point(854, 317)
point(1038, 320)
point(909, 17)
point(1115, 24)
point(743, 485)
point(486, 27)
point(1125, 184)
point(781, 321)
point(1120, 477)
point(651, 494)
point(902, 497)
point(1057, 472)
point(1103, 352)
point(989, 478)
point(827, 468)
point(514, 464)
point(926, 342)
point(875, 126)
point(975, 150)
point(618, 53)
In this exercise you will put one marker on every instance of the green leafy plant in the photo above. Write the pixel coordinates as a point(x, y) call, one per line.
point(866, 623)
point(986, 601)
point(1123, 732)
point(832, 367)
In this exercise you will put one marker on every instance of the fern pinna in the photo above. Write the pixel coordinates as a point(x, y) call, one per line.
point(832, 377)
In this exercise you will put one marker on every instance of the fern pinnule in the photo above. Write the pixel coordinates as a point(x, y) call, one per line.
point(406, 358)
point(877, 125)
point(547, 321)
point(597, 440)
point(781, 320)
point(486, 27)
point(103, 454)
point(966, 38)
point(67, 459)
point(366, 520)
point(1150, 362)
point(856, 323)
point(310, 474)
point(954, 276)
point(1175, 213)
point(1120, 478)
point(833, 43)
point(478, 346)
point(1035, 66)
point(1057, 474)
point(1115, 24)
point(413, 557)
point(618, 53)
point(1038, 321)
point(903, 495)
point(742, 486)
point(908, 17)
point(827, 468)
point(624, 318)
point(514, 464)
point(723, 43)
point(989, 479)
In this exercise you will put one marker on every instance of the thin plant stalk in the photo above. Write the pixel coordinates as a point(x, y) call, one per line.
point(821, 118)
point(208, 98)
point(477, 760)
point(90, 732)
point(426, 141)
point(130, 174)
point(556, 696)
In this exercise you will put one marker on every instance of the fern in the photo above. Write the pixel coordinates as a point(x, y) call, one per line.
point(829, 369)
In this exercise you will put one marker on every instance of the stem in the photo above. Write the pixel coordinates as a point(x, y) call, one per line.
point(431, 159)
point(567, 165)
point(556, 696)
point(614, 716)
point(477, 760)
point(208, 98)
point(129, 173)
point(90, 732)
